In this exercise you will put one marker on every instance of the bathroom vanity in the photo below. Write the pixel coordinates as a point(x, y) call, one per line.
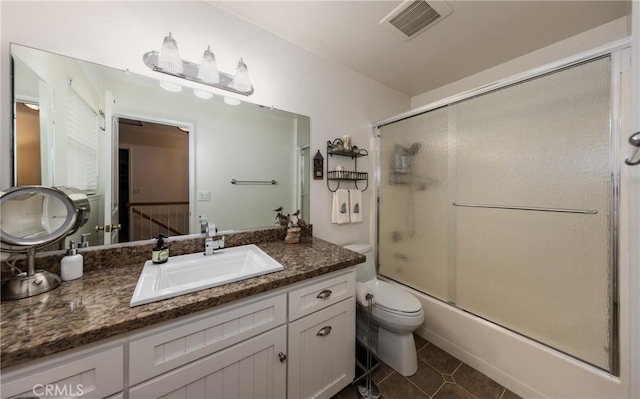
point(286, 334)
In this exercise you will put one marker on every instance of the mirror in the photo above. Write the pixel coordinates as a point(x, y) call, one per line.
point(152, 160)
point(33, 217)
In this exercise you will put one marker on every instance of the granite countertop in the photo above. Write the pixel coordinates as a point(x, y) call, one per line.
point(96, 306)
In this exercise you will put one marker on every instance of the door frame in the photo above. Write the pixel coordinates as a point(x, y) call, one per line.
point(191, 150)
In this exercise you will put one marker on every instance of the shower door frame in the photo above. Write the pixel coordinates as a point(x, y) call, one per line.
point(614, 52)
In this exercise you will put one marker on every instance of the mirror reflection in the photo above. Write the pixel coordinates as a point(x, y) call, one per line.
point(150, 160)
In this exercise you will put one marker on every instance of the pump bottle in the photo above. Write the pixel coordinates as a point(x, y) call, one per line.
point(71, 265)
point(160, 252)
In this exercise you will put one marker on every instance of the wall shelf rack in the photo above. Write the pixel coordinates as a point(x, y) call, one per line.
point(336, 147)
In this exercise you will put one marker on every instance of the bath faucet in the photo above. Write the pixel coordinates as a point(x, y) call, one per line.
point(210, 245)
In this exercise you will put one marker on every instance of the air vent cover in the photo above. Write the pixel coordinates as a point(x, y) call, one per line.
point(413, 17)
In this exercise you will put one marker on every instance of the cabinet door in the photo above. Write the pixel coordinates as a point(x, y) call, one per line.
point(322, 352)
point(94, 376)
point(250, 369)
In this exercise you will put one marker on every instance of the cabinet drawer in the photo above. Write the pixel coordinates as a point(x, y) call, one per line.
point(167, 350)
point(249, 370)
point(93, 376)
point(322, 352)
point(306, 300)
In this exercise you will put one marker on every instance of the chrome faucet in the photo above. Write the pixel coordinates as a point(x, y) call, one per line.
point(210, 245)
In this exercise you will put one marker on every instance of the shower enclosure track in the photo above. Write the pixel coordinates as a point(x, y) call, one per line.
point(529, 208)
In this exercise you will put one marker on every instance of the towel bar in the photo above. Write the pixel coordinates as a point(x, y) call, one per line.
point(234, 181)
point(529, 208)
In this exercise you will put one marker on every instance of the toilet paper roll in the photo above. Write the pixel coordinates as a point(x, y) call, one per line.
point(362, 290)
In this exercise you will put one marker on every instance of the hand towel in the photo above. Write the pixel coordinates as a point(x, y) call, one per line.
point(340, 209)
point(355, 206)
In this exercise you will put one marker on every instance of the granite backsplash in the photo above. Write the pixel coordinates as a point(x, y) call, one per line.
point(108, 256)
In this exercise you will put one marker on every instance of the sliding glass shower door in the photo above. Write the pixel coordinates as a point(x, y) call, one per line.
point(502, 204)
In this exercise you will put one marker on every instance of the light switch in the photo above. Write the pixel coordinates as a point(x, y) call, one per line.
point(203, 195)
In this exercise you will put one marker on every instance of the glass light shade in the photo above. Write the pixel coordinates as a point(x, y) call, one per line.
point(231, 101)
point(169, 58)
point(205, 95)
point(241, 80)
point(169, 86)
point(208, 70)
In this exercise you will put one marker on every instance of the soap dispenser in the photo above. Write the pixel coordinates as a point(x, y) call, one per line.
point(71, 265)
point(160, 253)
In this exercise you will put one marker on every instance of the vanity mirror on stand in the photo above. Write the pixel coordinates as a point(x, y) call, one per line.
point(35, 217)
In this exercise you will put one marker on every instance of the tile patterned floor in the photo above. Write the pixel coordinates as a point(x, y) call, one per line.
point(439, 376)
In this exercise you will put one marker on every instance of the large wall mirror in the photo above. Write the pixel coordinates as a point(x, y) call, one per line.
point(152, 160)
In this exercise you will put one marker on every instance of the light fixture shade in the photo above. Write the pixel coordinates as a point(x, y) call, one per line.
point(208, 70)
point(170, 86)
point(231, 101)
point(169, 58)
point(205, 95)
point(241, 80)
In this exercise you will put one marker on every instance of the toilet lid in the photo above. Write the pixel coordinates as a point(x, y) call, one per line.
point(395, 299)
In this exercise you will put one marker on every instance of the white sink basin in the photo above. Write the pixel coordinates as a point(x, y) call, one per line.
point(194, 272)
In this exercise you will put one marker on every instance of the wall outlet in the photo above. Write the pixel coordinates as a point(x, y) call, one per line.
point(203, 195)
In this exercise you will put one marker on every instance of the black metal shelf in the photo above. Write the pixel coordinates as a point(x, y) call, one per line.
point(336, 147)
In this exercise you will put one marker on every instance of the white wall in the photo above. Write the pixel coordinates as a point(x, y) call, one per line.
point(285, 76)
point(585, 41)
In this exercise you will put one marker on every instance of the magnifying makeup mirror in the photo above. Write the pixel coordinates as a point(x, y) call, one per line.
point(33, 217)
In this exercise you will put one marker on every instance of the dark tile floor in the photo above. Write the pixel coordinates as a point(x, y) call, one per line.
point(439, 376)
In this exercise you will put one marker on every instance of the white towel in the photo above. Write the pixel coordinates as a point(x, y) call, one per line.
point(355, 206)
point(340, 209)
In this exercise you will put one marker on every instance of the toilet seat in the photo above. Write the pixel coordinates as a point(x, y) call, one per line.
point(392, 299)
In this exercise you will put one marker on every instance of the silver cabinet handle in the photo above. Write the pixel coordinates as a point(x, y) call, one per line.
point(324, 294)
point(282, 356)
point(324, 331)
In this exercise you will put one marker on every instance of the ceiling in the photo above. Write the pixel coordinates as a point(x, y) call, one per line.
point(477, 35)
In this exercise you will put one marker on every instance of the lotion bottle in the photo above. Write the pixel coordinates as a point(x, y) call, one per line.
point(71, 265)
point(160, 252)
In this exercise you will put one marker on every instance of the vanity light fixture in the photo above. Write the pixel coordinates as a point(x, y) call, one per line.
point(208, 71)
point(168, 61)
point(169, 57)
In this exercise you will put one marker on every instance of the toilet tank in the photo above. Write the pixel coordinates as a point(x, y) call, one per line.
point(364, 271)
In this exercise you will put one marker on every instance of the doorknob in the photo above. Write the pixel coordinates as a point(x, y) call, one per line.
point(108, 227)
point(282, 356)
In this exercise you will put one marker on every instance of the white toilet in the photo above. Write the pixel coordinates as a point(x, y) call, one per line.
point(395, 315)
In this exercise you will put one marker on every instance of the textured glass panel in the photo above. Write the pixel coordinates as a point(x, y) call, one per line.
point(542, 143)
point(413, 202)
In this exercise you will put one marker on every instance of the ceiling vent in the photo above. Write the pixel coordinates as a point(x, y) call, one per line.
point(413, 17)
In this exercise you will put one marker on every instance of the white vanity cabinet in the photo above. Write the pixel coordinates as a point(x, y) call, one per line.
point(292, 342)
